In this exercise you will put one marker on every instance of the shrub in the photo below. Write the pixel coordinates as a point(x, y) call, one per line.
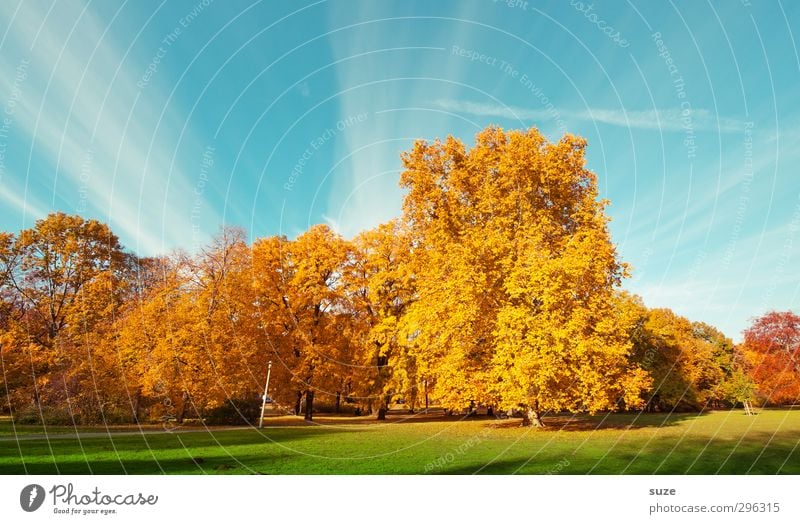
point(48, 415)
point(235, 412)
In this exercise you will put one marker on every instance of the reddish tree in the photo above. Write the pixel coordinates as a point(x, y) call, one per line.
point(772, 349)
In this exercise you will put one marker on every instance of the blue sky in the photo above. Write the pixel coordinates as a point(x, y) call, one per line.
point(167, 120)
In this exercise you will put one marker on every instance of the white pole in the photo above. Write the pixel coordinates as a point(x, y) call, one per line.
point(264, 399)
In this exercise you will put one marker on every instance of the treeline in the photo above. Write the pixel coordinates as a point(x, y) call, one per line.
point(499, 286)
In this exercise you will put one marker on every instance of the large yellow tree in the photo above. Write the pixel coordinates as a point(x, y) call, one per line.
point(515, 273)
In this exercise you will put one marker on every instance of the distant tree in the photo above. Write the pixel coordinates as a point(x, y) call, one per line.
point(739, 388)
point(61, 283)
point(689, 362)
point(772, 349)
point(720, 368)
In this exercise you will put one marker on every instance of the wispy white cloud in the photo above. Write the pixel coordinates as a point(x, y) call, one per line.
point(26, 206)
point(81, 102)
point(655, 119)
point(363, 191)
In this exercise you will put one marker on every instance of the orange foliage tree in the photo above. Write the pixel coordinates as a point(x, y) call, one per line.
point(64, 279)
point(691, 363)
point(772, 349)
point(299, 288)
point(379, 289)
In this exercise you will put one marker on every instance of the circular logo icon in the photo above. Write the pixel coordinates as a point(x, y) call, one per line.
point(31, 497)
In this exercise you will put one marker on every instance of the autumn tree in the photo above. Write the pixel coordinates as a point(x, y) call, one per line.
point(12, 363)
point(229, 351)
point(8, 259)
point(194, 333)
point(272, 271)
point(721, 370)
point(57, 257)
point(771, 348)
point(690, 362)
point(298, 285)
point(146, 346)
point(379, 289)
point(739, 388)
point(15, 344)
point(515, 275)
point(63, 277)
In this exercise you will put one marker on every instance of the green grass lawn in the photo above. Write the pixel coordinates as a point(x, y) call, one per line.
point(717, 442)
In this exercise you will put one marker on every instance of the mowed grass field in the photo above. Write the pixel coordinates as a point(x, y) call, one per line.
point(715, 442)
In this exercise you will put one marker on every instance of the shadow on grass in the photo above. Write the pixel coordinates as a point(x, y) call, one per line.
point(559, 422)
point(607, 421)
point(196, 452)
point(690, 456)
point(754, 455)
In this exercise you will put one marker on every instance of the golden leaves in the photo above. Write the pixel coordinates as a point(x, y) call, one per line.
point(515, 272)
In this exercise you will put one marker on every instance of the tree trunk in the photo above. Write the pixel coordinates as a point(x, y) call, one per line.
point(297, 403)
point(338, 402)
point(533, 418)
point(137, 403)
point(182, 410)
point(309, 405)
point(381, 413)
point(490, 411)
